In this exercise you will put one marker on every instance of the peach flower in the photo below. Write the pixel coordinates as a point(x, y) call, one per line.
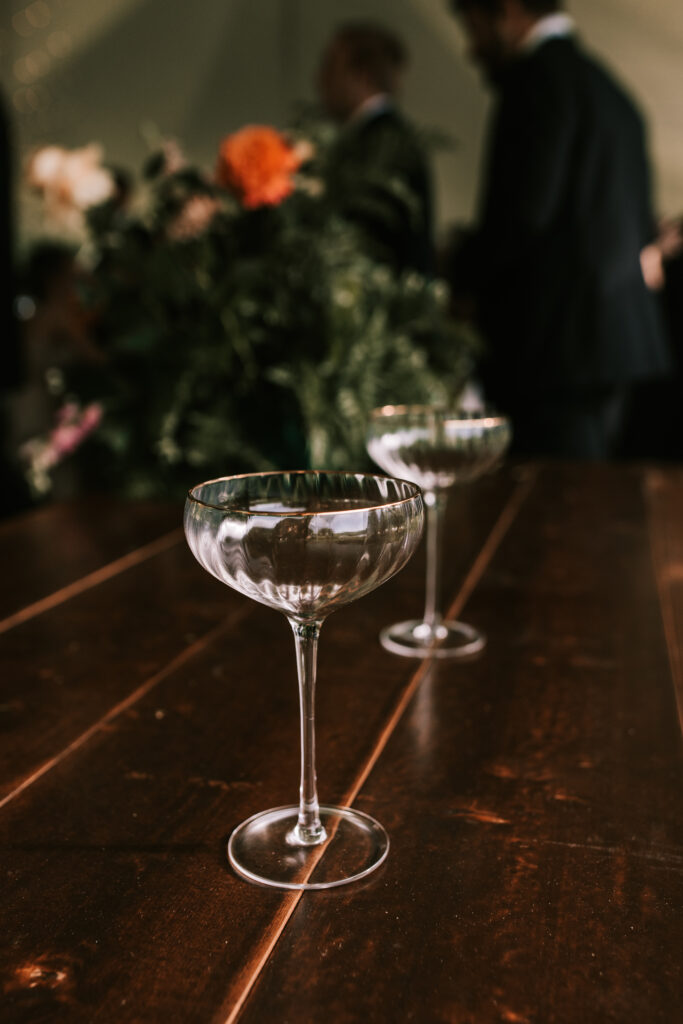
point(193, 219)
point(71, 181)
point(173, 156)
point(258, 164)
point(75, 176)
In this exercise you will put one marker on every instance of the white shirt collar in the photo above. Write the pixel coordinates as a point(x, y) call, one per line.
point(372, 107)
point(552, 26)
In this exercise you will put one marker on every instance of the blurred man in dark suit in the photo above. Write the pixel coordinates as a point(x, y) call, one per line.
point(378, 174)
point(555, 265)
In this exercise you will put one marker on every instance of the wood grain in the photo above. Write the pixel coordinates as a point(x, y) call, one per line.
point(664, 495)
point(65, 669)
point(532, 799)
point(144, 920)
point(240, 993)
point(51, 548)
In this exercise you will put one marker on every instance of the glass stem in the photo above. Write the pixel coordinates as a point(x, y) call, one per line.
point(436, 506)
point(309, 829)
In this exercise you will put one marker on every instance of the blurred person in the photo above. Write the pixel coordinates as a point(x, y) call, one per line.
point(670, 245)
point(378, 173)
point(555, 264)
point(654, 424)
point(13, 491)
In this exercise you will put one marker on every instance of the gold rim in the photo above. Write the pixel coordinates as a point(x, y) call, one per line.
point(454, 415)
point(303, 472)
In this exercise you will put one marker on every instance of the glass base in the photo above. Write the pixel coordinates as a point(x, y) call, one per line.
point(267, 849)
point(416, 639)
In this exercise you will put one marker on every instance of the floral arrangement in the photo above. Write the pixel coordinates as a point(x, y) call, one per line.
point(239, 322)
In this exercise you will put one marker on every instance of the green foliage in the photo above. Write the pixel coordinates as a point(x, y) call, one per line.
point(263, 340)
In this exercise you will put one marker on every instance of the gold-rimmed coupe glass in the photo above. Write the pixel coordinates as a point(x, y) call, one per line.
point(439, 449)
point(305, 543)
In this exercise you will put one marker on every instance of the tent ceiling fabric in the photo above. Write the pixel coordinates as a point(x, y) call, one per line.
point(199, 71)
point(87, 22)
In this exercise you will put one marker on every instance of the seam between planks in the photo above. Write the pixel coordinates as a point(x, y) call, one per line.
point(655, 486)
point(507, 516)
point(93, 579)
point(127, 703)
point(479, 566)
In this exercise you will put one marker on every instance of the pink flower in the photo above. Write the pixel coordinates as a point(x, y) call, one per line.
point(193, 219)
point(91, 418)
point(73, 426)
point(174, 158)
point(64, 440)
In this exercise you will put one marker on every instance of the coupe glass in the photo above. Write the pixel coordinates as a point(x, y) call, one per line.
point(305, 543)
point(437, 449)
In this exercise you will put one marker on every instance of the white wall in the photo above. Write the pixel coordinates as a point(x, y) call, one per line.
point(110, 69)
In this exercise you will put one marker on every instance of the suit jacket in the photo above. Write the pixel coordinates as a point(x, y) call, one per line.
point(379, 180)
point(565, 213)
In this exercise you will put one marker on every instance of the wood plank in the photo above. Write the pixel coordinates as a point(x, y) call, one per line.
point(65, 670)
point(664, 491)
point(52, 547)
point(145, 921)
point(533, 803)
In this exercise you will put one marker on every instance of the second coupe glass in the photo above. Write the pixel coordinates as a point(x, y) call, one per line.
point(437, 449)
point(305, 543)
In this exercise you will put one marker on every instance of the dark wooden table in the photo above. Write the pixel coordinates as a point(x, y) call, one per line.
point(532, 796)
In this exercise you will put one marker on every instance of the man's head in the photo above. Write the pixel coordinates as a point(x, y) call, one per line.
point(361, 60)
point(496, 28)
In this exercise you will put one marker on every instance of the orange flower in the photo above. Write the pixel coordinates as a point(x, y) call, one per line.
point(257, 163)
